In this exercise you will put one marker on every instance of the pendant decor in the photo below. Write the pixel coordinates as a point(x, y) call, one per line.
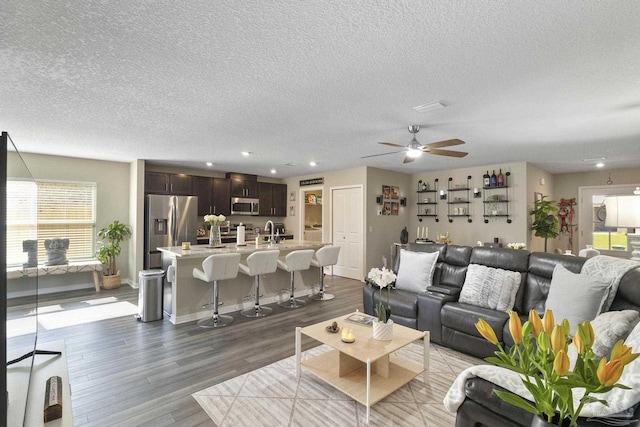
point(214, 236)
point(383, 331)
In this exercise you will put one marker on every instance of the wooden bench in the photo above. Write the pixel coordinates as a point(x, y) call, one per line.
point(92, 265)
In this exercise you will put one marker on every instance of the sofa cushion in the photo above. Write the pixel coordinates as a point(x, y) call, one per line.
point(576, 297)
point(416, 270)
point(490, 287)
point(463, 317)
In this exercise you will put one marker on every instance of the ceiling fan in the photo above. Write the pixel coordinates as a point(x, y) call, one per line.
point(414, 149)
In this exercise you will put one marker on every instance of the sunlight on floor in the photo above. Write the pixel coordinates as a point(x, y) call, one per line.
point(57, 317)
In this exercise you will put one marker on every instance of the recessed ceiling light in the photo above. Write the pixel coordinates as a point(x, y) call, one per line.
point(599, 165)
point(273, 171)
point(429, 107)
point(312, 163)
point(209, 164)
point(246, 153)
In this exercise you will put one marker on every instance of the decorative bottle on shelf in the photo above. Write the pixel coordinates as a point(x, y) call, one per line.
point(500, 179)
point(493, 180)
point(486, 180)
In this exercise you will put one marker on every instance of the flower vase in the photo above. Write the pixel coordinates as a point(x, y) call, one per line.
point(214, 236)
point(383, 331)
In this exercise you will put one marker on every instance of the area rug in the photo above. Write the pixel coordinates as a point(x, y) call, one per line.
point(272, 396)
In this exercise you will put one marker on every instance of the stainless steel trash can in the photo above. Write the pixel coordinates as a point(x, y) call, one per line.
point(150, 295)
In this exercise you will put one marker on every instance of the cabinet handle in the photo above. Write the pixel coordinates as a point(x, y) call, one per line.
point(172, 188)
point(166, 187)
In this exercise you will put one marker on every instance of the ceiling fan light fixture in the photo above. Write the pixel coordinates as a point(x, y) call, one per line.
point(414, 153)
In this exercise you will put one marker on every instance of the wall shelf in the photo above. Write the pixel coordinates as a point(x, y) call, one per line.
point(427, 200)
point(496, 201)
point(459, 205)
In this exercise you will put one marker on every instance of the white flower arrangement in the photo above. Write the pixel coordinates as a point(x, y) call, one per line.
point(214, 220)
point(516, 245)
point(382, 278)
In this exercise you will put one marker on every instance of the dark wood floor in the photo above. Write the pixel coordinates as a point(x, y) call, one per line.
point(128, 373)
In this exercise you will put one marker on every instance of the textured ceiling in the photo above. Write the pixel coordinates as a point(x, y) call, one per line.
point(185, 82)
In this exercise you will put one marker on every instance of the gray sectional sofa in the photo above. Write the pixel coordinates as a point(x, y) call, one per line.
point(452, 323)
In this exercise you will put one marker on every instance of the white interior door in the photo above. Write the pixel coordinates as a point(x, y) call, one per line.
point(347, 213)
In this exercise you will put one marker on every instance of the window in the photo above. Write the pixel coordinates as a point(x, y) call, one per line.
point(50, 209)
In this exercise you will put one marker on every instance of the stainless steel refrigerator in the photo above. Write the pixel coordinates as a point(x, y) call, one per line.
point(170, 220)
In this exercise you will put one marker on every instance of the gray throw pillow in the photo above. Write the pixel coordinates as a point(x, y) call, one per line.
point(490, 287)
point(610, 327)
point(576, 297)
point(416, 270)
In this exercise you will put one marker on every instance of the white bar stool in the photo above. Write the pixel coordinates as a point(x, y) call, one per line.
point(263, 262)
point(325, 256)
point(217, 267)
point(295, 261)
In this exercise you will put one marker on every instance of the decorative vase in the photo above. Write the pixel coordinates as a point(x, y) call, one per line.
point(383, 331)
point(214, 236)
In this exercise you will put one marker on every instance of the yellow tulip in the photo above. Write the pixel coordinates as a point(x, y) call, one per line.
point(561, 363)
point(536, 322)
point(609, 373)
point(547, 322)
point(623, 353)
point(515, 327)
point(558, 340)
point(577, 342)
point(486, 331)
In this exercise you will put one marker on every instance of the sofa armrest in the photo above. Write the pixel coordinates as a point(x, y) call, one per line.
point(444, 290)
point(429, 306)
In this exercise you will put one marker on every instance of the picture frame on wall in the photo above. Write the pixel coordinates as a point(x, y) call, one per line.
point(395, 193)
point(386, 191)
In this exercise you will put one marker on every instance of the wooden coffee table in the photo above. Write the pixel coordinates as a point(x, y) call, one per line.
point(367, 370)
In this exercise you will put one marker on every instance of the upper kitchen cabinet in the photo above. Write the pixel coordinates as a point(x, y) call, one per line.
point(221, 200)
point(243, 185)
point(166, 183)
point(273, 199)
point(203, 188)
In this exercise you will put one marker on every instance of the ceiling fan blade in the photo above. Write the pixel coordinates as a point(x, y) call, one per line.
point(447, 143)
point(408, 159)
point(381, 154)
point(448, 153)
point(391, 144)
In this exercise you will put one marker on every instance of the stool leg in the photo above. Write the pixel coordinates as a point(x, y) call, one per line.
point(321, 296)
point(292, 302)
point(216, 320)
point(257, 310)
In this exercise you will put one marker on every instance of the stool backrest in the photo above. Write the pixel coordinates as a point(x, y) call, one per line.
point(263, 262)
point(328, 255)
point(299, 260)
point(221, 266)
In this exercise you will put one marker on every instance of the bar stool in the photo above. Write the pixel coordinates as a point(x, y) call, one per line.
point(295, 261)
point(217, 267)
point(325, 256)
point(263, 262)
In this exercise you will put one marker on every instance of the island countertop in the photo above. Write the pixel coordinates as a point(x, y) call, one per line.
point(184, 296)
point(199, 251)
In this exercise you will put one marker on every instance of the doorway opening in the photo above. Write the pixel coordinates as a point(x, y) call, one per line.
point(312, 220)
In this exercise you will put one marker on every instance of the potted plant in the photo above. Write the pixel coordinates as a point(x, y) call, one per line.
point(112, 235)
point(545, 221)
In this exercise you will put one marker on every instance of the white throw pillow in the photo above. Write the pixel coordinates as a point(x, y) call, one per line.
point(576, 297)
point(490, 287)
point(416, 270)
point(609, 328)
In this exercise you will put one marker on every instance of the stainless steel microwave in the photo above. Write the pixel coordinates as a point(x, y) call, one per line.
point(241, 206)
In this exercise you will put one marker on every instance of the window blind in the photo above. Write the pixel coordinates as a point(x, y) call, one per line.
point(50, 209)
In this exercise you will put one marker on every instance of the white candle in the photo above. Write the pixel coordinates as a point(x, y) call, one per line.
point(418, 233)
point(426, 232)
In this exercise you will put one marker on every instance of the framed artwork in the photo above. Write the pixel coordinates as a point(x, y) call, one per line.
point(390, 200)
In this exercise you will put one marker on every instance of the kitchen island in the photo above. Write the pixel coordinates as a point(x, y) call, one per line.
point(184, 295)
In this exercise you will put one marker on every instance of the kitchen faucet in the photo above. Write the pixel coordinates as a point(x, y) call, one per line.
point(271, 240)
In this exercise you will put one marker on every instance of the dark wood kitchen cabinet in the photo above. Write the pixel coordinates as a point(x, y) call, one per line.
point(203, 188)
point(243, 185)
point(273, 199)
point(221, 200)
point(167, 183)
